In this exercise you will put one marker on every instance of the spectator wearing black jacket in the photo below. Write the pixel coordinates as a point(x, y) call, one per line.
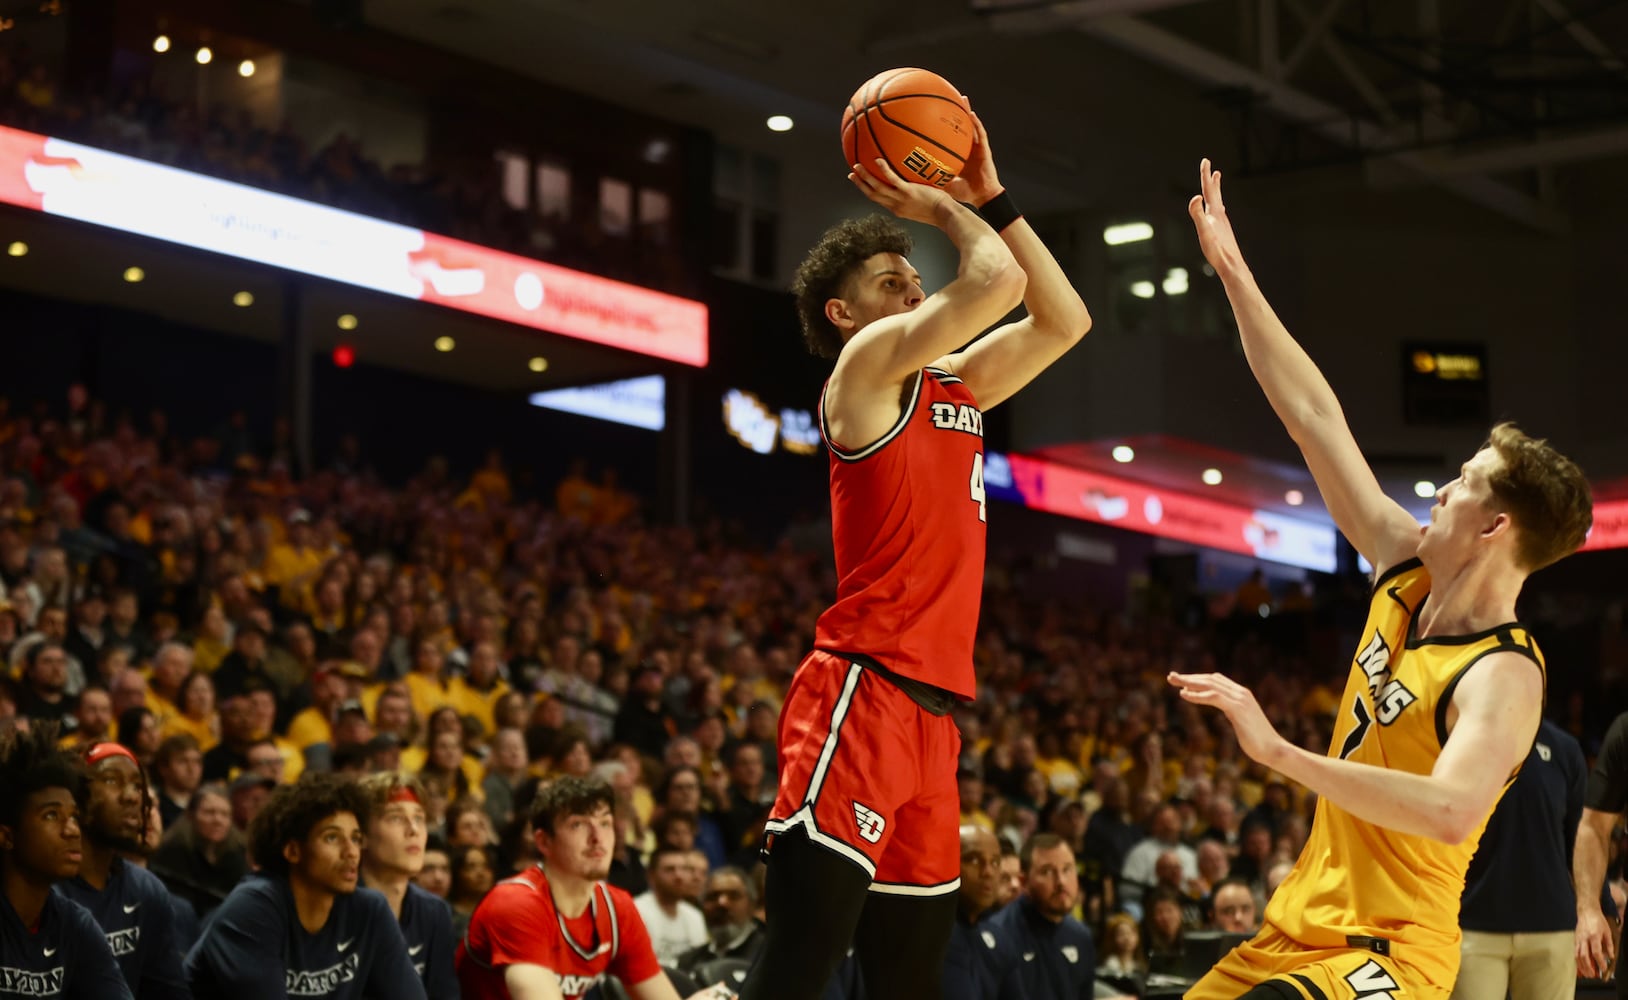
point(642, 721)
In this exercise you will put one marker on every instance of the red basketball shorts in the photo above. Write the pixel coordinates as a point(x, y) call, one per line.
point(870, 774)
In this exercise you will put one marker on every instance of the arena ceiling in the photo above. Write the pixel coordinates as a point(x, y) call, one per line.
point(1489, 101)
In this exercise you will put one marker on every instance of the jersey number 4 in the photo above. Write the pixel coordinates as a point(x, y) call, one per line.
point(977, 485)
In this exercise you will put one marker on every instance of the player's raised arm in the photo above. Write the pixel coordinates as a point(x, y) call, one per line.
point(988, 284)
point(1375, 524)
point(1009, 358)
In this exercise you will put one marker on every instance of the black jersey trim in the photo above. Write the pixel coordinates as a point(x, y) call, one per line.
point(1312, 989)
point(1393, 573)
point(857, 454)
point(1446, 697)
point(1412, 640)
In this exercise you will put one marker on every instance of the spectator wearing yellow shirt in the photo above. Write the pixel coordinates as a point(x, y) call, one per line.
point(171, 666)
point(294, 565)
point(443, 720)
point(577, 497)
point(263, 713)
point(197, 717)
point(314, 724)
point(213, 640)
point(427, 684)
point(476, 695)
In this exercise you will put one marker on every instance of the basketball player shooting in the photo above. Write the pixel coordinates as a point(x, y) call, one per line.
point(1442, 702)
point(864, 832)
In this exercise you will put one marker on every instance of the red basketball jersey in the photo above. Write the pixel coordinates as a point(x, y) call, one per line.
point(516, 923)
point(907, 523)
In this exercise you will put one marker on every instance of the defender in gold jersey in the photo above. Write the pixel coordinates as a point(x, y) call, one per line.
point(1442, 701)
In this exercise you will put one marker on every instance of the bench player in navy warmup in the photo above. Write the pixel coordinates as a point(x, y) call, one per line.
point(397, 833)
point(49, 946)
point(130, 903)
point(864, 835)
point(300, 927)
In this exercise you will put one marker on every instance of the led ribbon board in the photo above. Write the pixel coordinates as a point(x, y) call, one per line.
point(1090, 496)
point(72, 181)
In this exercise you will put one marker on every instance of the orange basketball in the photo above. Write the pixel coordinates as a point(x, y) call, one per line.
point(912, 118)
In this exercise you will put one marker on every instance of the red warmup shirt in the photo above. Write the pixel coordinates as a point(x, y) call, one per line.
point(907, 522)
point(517, 924)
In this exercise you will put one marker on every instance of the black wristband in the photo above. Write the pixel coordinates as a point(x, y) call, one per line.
point(999, 212)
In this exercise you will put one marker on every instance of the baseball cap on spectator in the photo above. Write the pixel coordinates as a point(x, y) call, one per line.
point(299, 516)
point(250, 779)
point(967, 770)
point(352, 705)
point(383, 742)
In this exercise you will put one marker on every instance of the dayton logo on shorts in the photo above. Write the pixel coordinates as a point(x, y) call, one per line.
point(1370, 981)
point(869, 822)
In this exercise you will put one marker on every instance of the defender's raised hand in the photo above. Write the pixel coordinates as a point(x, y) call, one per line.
point(1256, 736)
point(1215, 235)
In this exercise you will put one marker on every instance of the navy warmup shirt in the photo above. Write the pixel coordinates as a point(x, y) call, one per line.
point(1519, 881)
point(981, 964)
point(66, 956)
point(254, 948)
point(426, 926)
point(136, 914)
point(1059, 960)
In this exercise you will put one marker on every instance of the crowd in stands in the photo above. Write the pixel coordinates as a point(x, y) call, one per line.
point(462, 199)
point(233, 627)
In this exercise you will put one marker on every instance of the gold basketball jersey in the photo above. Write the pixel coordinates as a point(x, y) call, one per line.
point(1355, 880)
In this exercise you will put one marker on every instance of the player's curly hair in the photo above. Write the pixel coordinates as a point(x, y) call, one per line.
point(824, 274)
point(31, 760)
point(569, 796)
point(293, 811)
point(1545, 492)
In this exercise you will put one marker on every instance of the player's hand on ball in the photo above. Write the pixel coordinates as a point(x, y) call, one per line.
point(881, 184)
point(1209, 213)
point(978, 182)
point(1256, 736)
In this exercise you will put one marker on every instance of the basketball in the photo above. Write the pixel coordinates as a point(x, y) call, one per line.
point(915, 120)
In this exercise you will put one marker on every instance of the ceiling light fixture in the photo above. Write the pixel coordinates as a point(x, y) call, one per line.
point(1127, 232)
